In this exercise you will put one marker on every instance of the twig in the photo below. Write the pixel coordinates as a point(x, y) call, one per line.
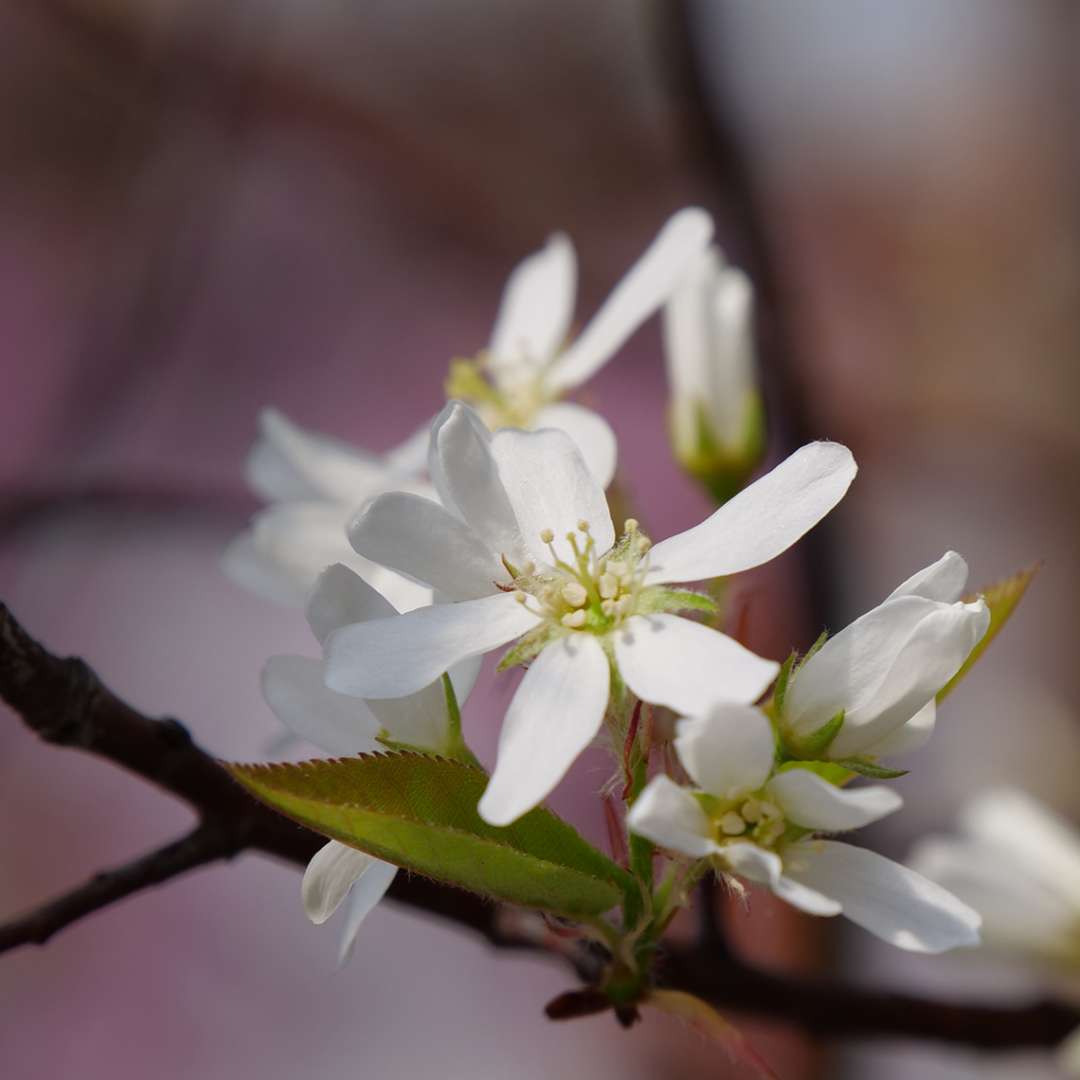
point(66, 704)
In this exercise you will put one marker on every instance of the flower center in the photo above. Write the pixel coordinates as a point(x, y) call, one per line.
point(592, 592)
point(499, 402)
point(747, 819)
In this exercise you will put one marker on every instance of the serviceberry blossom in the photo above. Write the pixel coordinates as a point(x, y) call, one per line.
point(313, 483)
point(716, 414)
point(523, 548)
point(881, 673)
point(341, 725)
point(529, 366)
point(761, 825)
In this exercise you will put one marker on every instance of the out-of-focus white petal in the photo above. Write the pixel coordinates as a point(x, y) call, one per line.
point(907, 737)
point(641, 292)
point(1039, 842)
point(469, 481)
point(668, 660)
point(244, 565)
point(892, 902)
point(1021, 911)
point(367, 891)
point(290, 463)
point(760, 522)
point(590, 431)
point(670, 816)
point(329, 877)
point(392, 657)
point(814, 803)
point(943, 580)
point(556, 712)
point(550, 487)
point(421, 539)
point(535, 311)
point(727, 751)
point(293, 688)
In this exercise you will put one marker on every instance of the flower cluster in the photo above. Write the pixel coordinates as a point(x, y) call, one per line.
point(490, 530)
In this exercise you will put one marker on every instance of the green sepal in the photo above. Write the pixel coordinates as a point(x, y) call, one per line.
point(814, 745)
point(821, 639)
point(532, 644)
point(1002, 599)
point(827, 770)
point(419, 812)
point(657, 598)
point(870, 769)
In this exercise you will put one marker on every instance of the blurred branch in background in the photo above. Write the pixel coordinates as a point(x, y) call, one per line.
point(65, 703)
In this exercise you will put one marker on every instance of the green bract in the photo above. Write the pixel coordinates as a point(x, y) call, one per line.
point(419, 812)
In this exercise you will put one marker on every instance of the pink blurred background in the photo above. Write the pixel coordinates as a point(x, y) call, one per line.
point(208, 208)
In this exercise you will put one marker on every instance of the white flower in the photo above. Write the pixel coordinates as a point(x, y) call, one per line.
point(523, 544)
point(760, 826)
point(1018, 865)
point(528, 367)
point(313, 484)
point(341, 725)
point(884, 670)
point(716, 421)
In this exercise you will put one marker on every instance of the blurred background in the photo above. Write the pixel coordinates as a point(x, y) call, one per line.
point(206, 208)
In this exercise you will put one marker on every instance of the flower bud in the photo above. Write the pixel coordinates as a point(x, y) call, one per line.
point(716, 416)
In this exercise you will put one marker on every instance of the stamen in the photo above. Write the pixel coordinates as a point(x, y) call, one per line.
point(751, 811)
point(732, 825)
point(608, 607)
point(575, 594)
point(631, 525)
point(609, 586)
point(583, 526)
point(547, 535)
point(573, 620)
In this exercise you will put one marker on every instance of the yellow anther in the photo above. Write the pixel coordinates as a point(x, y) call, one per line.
point(769, 811)
point(583, 526)
point(732, 825)
point(751, 811)
point(609, 586)
point(520, 597)
point(608, 607)
point(631, 525)
point(547, 536)
point(573, 620)
point(575, 594)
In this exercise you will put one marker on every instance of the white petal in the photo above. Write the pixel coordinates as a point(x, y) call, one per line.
point(244, 565)
point(535, 311)
point(938, 647)
point(668, 660)
point(590, 431)
point(328, 878)
point(882, 669)
point(342, 597)
point(556, 712)
point(670, 816)
point(468, 480)
point(366, 892)
point(728, 751)
point(1039, 842)
point(647, 285)
point(418, 719)
point(291, 463)
point(907, 737)
point(760, 522)
point(293, 688)
point(943, 580)
point(891, 901)
point(814, 803)
point(392, 657)
point(805, 898)
point(752, 862)
point(423, 540)
point(550, 487)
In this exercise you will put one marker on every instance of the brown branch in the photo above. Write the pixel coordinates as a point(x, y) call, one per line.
point(65, 703)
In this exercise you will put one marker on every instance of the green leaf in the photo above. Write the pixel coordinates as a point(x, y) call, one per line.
point(869, 768)
point(1001, 598)
point(419, 812)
